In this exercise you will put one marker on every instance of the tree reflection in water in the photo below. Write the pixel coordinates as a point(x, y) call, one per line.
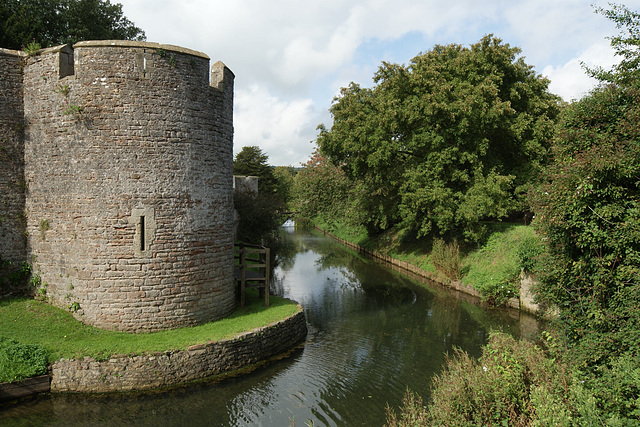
point(373, 333)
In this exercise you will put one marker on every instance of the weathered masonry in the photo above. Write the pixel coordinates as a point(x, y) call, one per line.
point(116, 181)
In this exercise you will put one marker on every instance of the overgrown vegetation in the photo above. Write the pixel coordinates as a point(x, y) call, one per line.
point(456, 140)
point(19, 361)
point(513, 383)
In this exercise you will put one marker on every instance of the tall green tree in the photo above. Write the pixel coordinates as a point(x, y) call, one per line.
point(54, 22)
point(588, 211)
point(257, 212)
point(447, 141)
point(321, 188)
point(252, 161)
point(284, 176)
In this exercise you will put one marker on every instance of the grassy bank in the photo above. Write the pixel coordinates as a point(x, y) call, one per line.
point(492, 268)
point(33, 322)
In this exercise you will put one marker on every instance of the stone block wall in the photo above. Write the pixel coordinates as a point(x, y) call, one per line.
point(127, 166)
point(245, 184)
point(163, 369)
point(12, 186)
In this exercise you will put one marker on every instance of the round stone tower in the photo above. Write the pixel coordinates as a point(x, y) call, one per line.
point(128, 169)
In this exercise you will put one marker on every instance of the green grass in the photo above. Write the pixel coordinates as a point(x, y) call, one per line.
point(34, 322)
point(351, 233)
point(494, 268)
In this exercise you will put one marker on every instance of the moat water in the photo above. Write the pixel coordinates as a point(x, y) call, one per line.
point(373, 333)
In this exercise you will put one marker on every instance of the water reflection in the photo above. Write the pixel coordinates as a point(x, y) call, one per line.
point(373, 333)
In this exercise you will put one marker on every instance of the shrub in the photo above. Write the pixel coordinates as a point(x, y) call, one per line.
point(412, 413)
point(529, 251)
point(513, 383)
point(19, 361)
point(446, 258)
point(494, 389)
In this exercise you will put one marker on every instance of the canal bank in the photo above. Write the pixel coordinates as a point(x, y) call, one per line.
point(373, 333)
point(525, 301)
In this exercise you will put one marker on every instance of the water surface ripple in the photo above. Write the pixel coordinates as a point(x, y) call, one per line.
point(373, 333)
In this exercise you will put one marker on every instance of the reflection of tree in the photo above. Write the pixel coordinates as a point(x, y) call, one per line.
point(444, 315)
point(373, 333)
point(285, 252)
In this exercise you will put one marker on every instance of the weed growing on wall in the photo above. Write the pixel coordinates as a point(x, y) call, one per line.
point(44, 227)
point(67, 107)
point(32, 48)
point(169, 56)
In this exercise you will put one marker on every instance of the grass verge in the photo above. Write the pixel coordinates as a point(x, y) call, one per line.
point(492, 268)
point(37, 323)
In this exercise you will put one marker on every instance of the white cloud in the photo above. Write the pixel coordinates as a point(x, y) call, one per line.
point(291, 57)
point(570, 80)
point(281, 128)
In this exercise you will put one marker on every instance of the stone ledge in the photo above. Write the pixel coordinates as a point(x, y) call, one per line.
point(170, 368)
point(11, 52)
point(18, 389)
point(141, 44)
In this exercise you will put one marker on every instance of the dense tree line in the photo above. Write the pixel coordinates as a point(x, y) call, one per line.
point(451, 139)
point(54, 22)
point(259, 212)
point(464, 135)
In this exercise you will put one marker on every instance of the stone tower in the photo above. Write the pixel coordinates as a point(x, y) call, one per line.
point(125, 187)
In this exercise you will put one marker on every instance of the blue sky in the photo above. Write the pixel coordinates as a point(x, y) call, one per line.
point(291, 57)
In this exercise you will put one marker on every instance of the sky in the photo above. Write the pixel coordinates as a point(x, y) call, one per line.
point(291, 57)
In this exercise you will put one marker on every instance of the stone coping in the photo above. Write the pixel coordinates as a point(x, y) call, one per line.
point(10, 52)
point(171, 368)
point(110, 43)
point(140, 44)
point(175, 367)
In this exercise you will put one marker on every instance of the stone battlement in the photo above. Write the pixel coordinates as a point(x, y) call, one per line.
point(118, 181)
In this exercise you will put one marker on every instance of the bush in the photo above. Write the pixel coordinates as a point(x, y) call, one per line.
point(494, 390)
point(528, 253)
point(446, 258)
point(589, 215)
point(19, 361)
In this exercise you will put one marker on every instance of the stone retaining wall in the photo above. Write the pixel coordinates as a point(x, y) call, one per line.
point(163, 369)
